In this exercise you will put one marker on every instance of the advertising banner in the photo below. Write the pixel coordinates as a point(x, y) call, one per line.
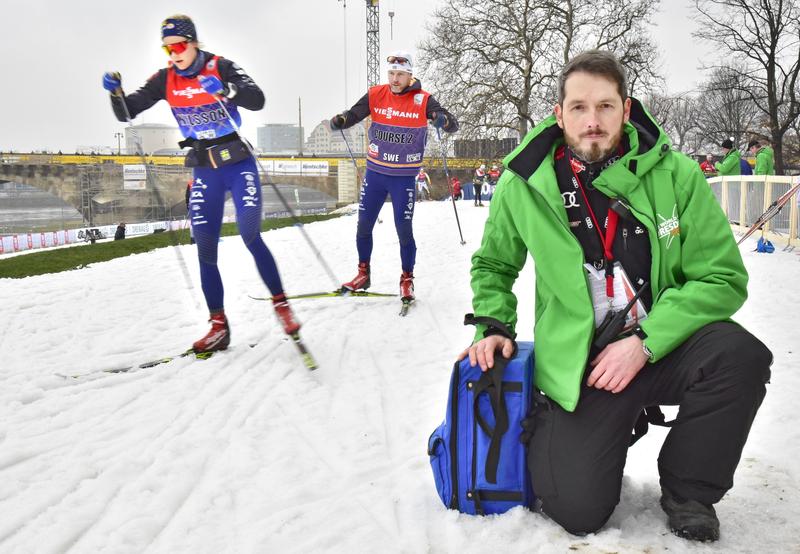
point(134, 177)
point(315, 168)
point(288, 167)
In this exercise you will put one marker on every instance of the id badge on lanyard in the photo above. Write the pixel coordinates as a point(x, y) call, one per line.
point(623, 293)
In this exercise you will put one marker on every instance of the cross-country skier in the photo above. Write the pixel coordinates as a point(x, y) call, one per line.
point(423, 185)
point(478, 178)
point(397, 136)
point(192, 83)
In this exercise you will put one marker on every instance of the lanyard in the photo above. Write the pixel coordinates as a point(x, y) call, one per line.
point(607, 238)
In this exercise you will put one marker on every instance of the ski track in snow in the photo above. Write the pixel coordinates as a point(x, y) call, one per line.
point(250, 452)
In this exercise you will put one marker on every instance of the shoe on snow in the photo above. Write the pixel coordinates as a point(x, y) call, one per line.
point(285, 314)
point(690, 519)
point(361, 281)
point(407, 286)
point(218, 338)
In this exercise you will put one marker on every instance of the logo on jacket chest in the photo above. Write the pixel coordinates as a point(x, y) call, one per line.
point(188, 92)
point(389, 113)
point(669, 227)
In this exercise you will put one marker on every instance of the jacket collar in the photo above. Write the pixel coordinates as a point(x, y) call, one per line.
point(648, 145)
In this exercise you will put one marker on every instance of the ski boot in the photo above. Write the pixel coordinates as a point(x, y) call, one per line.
point(285, 315)
point(361, 281)
point(407, 286)
point(218, 338)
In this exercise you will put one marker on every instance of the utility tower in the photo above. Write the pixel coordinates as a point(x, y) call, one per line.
point(373, 43)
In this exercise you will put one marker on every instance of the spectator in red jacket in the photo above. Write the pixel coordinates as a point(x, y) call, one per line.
point(708, 166)
point(456, 188)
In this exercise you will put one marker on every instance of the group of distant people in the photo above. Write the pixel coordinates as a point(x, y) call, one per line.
point(480, 177)
point(732, 162)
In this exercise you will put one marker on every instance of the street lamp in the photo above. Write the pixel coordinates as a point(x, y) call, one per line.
point(119, 144)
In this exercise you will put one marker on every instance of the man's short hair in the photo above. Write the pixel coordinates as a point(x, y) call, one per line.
point(752, 143)
point(595, 62)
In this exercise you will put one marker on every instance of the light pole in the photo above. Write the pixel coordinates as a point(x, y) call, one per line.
point(119, 143)
point(344, 20)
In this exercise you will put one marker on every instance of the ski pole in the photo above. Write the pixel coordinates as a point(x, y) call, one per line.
point(297, 222)
point(449, 184)
point(151, 179)
point(355, 165)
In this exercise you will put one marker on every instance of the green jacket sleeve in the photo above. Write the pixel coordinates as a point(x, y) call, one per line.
point(727, 165)
point(714, 277)
point(498, 261)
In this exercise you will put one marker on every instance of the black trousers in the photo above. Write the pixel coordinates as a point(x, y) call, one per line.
point(576, 459)
point(477, 190)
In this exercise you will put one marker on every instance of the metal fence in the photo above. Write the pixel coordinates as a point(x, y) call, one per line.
point(744, 198)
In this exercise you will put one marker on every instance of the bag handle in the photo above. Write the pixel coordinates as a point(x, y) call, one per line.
point(491, 383)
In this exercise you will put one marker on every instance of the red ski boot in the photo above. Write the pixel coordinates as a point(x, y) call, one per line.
point(407, 286)
point(361, 281)
point(285, 315)
point(218, 338)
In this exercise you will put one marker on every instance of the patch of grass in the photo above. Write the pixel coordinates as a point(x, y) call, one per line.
point(77, 257)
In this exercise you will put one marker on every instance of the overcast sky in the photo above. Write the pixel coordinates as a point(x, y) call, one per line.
point(54, 54)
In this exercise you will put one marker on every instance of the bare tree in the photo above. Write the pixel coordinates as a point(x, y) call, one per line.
point(724, 109)
point(496, 62)
point(615, 25)
point(764, 36)
point(682, 126)
point(481, 58)
point(660, 107)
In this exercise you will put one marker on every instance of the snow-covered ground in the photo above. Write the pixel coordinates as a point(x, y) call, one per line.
point(249, 452)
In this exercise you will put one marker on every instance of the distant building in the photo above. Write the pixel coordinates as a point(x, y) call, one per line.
point(324, 142)
point(154, 137)
point(279, 138)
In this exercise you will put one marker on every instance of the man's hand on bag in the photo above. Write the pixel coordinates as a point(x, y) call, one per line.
point(483, 351)
point(617, 365)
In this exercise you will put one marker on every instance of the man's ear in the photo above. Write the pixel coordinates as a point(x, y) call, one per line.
point(559, 115)
point(626, 108)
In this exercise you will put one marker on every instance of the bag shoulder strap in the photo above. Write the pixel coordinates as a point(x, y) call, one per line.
point(651, 415)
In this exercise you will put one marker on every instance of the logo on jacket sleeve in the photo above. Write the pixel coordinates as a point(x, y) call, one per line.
point(418, 98)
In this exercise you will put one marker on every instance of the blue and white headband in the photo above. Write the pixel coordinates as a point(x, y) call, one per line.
point(178, 27)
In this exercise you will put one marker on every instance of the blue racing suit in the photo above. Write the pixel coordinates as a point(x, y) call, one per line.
point(397, 143)
point(205, 127)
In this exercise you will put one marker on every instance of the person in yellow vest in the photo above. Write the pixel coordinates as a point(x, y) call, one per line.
point(400, 111)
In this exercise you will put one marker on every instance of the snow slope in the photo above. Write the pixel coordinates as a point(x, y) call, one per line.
point(249, 452)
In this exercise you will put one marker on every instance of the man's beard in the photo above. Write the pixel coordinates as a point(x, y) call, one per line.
point(595, 153)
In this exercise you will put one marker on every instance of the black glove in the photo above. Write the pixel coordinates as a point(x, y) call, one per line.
point(439, 120)
point(337, 122)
